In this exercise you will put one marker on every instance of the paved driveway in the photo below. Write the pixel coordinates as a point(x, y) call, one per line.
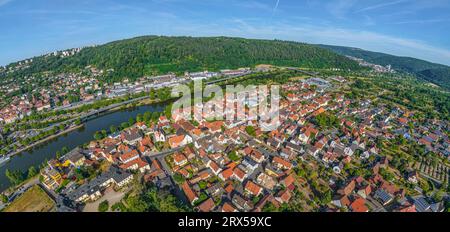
point(110, 195)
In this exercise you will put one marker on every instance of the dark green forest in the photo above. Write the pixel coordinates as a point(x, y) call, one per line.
point(150, 55)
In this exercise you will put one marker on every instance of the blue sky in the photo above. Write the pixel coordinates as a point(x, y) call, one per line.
point(416, 28)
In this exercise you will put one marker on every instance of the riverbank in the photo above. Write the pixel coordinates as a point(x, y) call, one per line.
point(141, 102)
point(15, 191)
point(76, 137)
point(45, 140)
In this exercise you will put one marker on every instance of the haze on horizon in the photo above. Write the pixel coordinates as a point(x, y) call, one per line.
point(415, 28)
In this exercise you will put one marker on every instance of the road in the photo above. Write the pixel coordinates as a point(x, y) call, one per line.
point(165, 153)
point(76, 104)
point(24, 188)
point(165, 167)
point(20, 191)
point(268, 149)
point(302, 71)
point(226, 78)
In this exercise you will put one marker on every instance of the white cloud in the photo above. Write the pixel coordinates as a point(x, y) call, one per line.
point(276, 6)
point(381, 5)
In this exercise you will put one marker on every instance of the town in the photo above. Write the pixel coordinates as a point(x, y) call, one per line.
point(45, 109)
point(331, 153)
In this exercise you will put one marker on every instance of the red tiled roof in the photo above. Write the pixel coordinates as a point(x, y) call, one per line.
point(183, 172)
point(248, 150)
point(239, 173)
point(349, 187)
point(214, 166)
point(229, 188)
point(204, 174)
point(282, 162)
point(288, 180)
point(345, 201)
point(227, 207)
point(253, 188)
point(227, 173)
point(257, 155)
point(310, 130)
point(146, 141)
point(175, 141)
point(202, 152)
point(408, 209)
point(214, 126)
point(142, 149)
point(128, 155)
point(139, 162)
point(190, 194)
point(179, 158)
point(156, 164)
point(359, 179)
point(359, 205)
point(231, 165)
point(197, 131)
point(424, 142)
point(319, 111)
point(284, 196)
point(403, 120)
point(206, 206)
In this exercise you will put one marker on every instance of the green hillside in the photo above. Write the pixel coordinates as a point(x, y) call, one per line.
point(155, 54)
point(436, 73)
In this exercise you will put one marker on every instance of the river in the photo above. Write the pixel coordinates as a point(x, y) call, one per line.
point(47, 150)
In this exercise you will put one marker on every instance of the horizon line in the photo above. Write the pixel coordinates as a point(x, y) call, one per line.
point(216, 36)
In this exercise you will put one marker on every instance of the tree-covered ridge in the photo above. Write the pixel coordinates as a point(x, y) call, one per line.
point(435, 73)
point(150, 55)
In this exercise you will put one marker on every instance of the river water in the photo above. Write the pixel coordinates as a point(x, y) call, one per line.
point(47, 150)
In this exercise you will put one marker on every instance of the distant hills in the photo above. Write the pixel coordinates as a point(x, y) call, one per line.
point(149, 55)
point(435, 73)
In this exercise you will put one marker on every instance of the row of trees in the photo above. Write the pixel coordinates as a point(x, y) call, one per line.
point(16, 177)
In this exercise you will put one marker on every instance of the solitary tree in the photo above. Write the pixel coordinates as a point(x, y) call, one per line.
point(103, 206)
point(4, 198)
point(32, 171)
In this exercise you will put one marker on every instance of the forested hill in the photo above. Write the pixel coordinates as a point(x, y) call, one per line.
point(436, 73)
point(158, 54)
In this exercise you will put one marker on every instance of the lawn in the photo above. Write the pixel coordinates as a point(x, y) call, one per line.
point(33, 200)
